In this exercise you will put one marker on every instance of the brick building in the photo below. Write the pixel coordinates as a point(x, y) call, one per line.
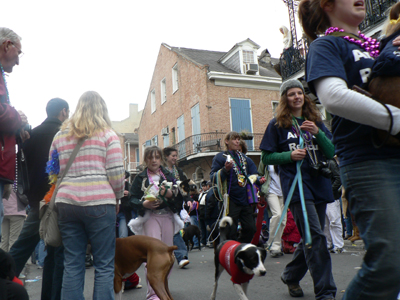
point(197, 96)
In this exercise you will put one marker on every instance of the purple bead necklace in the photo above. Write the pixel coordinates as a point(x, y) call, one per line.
point(369, 44)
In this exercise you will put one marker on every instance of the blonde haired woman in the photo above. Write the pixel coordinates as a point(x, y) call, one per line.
point(86, 199)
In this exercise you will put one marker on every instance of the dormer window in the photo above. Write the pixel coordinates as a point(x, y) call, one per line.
point(248, 57)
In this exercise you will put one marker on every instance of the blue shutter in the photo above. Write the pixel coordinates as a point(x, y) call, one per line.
point(181, 137)
point(241, 118)
point(196, 125)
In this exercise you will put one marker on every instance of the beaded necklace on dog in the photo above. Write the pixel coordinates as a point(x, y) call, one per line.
point(307, 137)
point(368, 44)
point(241, 177)
point(5, 83)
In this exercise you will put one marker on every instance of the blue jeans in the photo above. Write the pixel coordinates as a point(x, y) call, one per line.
point(194, 221)
point(373, 191)
point(182, 252)
point(27, 240)
point(349, 224)
point(78, 224)
point(316, 259)
point(122, 226)
point(40, 253)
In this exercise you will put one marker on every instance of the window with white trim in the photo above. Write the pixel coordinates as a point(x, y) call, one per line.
point(154, 140)
point(163, 91)
point(175, 84)
point(153, 101)
point(274, 106)
point(248, 57)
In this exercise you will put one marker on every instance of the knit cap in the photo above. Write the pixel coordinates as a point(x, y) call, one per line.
point(289, 84)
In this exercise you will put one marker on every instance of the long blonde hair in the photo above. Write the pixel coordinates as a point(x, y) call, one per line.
point(90, 117)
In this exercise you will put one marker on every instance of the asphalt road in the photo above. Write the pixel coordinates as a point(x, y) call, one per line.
point(196, 281)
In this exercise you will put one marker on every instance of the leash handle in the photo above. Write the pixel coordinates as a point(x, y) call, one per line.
point(297, 180)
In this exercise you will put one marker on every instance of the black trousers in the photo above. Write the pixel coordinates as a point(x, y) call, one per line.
point(244, 214)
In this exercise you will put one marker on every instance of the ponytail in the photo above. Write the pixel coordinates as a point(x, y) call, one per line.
point(312, 17)
point(394, 20)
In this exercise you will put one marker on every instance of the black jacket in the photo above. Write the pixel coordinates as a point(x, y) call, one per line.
point(36, 150)
point(175, 204)
point(212, 208)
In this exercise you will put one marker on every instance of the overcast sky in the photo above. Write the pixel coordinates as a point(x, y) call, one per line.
point(111, 46)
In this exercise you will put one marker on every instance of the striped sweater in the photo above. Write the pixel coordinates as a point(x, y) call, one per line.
point(96, 176)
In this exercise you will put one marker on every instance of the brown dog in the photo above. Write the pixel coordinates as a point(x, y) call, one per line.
point(132, 251)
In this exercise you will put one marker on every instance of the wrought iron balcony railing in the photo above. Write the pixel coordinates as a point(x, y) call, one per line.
point(375, 12)
point(293, 59)
point(212, 141)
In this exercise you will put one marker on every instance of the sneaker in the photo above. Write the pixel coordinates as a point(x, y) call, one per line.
point(294, 289)
point(183, 263)
point(275, 253)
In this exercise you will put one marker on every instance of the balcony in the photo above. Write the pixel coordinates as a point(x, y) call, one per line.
point(293, 59)
point(375, 12)
point(212, 142)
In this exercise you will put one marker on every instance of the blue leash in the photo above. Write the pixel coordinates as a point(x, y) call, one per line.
point(299, 181)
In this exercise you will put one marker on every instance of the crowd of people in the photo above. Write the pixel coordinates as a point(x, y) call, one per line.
point(309, 176)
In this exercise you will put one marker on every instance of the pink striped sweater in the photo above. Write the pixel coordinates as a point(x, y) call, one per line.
point(96, 176)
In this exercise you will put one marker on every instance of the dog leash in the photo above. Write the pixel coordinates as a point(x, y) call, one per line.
point(261, 205)
point(299, 181)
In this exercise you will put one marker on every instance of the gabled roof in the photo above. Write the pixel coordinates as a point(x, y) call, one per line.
point(212, 60)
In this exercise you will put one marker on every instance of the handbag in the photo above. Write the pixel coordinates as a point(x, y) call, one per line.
point(48, 230)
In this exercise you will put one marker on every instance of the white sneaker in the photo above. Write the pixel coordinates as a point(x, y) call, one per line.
point(183, 263)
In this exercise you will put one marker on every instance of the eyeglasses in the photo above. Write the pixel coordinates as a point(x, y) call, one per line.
point(20, 53)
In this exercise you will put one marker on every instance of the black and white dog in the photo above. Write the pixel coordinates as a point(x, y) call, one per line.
point(241, 261)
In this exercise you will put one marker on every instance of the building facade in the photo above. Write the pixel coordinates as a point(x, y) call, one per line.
point(197, 96)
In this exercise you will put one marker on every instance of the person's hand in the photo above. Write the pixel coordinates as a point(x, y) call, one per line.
point(24, 135)
point(310, 127)
point(117, 208)
point(262, 180)
point(298, 154)
point(126, 193)
point(228, 165)
point(24, 119)
point(396, 42)
point(151, 204)
point(167, 194)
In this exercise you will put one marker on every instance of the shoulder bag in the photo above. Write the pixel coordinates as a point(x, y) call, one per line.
point(48, 230)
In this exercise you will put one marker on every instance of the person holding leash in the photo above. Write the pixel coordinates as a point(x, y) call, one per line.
point(230, 169)
point(336, 62)
point(297, 117)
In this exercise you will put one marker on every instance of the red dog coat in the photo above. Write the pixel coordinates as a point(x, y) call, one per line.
point(227, 260)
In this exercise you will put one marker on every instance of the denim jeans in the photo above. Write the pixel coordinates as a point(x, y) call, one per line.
point(317, 258)
point(53, 273)
point(78, 224)
point(41, 253)
point(182, 252)
point(373, 191)
point(349, 224)
point(122, 227)
point(27, 240)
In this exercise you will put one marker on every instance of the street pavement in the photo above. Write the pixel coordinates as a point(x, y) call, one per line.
point(196, 281)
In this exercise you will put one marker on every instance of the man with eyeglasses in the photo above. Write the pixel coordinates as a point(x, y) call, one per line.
point(11, 120)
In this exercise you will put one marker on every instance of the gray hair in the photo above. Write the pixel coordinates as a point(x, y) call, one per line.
point(8, 34)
